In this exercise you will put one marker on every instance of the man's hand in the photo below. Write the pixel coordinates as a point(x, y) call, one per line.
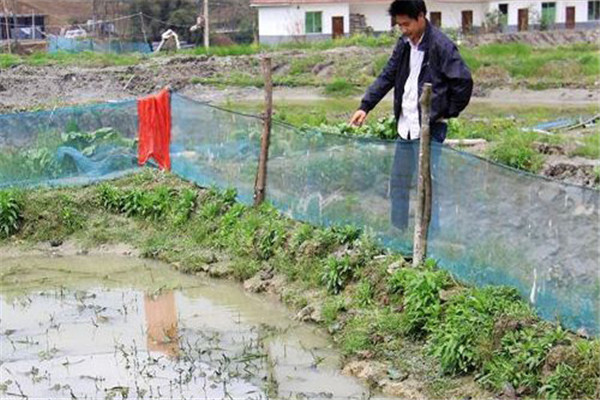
point(358, 118)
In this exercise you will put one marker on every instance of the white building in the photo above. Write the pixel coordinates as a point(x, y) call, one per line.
point(285, 20)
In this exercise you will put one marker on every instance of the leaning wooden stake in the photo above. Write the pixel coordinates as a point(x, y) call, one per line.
point(206, 26)
point(423, 210)
point(261, 175)
point(7, 26)
point(144, 31)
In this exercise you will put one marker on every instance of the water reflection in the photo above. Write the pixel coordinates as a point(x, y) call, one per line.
point(161, 323)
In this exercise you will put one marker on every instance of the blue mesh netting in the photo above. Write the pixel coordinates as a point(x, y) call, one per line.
point(57, 44)
point(68, 146)
point(491, 224)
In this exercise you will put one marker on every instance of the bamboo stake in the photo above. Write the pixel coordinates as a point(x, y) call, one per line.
point(261, 176)
point(144, 32)
point(423, 211)
point(206, 26)
point(7, 26)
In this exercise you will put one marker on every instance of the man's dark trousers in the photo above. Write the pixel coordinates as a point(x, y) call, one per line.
point(404, 171)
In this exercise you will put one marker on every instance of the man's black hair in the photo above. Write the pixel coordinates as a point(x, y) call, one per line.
point(411, 8)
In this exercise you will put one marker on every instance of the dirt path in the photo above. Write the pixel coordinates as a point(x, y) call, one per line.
point(500, 96)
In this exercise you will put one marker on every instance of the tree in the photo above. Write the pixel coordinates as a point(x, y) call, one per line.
point(161, 15)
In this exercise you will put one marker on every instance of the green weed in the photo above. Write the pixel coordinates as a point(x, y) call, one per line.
point(71, 217)
point(521, 358)
point(10, 212)
point(184, 206)
point(467, 326)
point(576, 374)
point(110, 198)
point(346, 234)
point(421, 301)
point(301, 234)
point(365, 294)
point(336, 274)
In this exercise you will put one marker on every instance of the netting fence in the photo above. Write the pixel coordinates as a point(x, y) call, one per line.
point(134, 33)
point(491, 225)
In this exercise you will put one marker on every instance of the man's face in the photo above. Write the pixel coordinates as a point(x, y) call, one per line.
point(411, 28)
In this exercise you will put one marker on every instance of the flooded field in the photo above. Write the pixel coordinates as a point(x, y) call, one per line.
point(119, 327)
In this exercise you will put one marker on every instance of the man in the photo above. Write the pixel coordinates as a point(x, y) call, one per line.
point(423, 54)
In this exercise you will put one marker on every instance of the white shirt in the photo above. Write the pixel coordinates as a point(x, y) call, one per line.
point(409, 119)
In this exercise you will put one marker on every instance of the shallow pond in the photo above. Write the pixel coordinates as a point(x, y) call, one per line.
point(119, 327)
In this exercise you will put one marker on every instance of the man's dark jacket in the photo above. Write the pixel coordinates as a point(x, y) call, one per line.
point(442, 66)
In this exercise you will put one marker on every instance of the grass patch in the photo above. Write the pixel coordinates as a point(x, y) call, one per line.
point(83, 59)
point(538, 67)
point(305, 65)
point(340, 87)
point(9, 60)
point(515, 149)
point(589, 148)
point(249, 49)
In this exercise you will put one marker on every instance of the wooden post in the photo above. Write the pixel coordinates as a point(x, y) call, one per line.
point(15, 23)
point(423, 211)
point(144, 32)
point(206, 26)
point(7, 26)
point(261, 175)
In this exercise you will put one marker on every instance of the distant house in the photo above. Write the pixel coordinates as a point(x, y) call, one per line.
point(31, 19)
point(22, 26)
point(285, 20)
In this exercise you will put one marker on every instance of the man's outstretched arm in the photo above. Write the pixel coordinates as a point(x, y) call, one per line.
point(378, 89)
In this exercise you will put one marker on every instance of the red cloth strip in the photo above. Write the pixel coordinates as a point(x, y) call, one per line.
point(154, 129)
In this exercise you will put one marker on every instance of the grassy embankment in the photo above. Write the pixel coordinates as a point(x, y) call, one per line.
point(417, 322)
point(92, 59)
point(512, 64)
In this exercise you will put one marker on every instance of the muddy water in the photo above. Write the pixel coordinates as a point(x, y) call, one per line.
point(119, 327)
